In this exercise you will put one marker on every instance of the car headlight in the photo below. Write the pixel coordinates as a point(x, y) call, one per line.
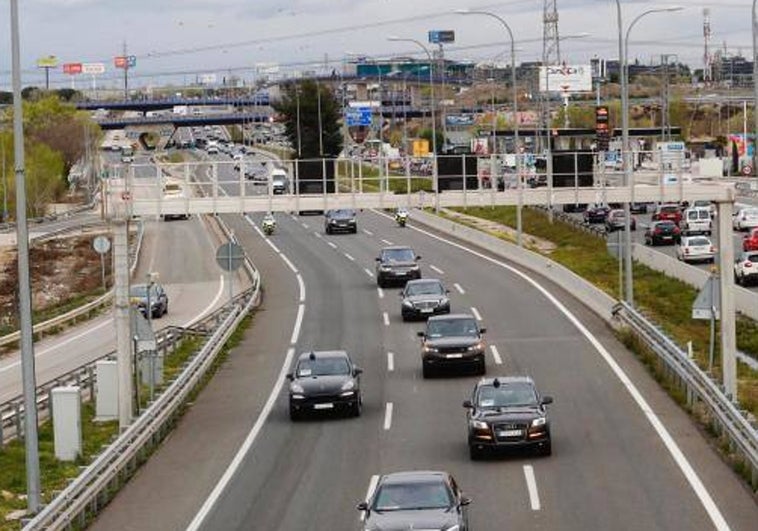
point(296, 388)
point(479, 425)
point(444, 302)
point(429, 349)
point(297, 397)
point(414, 267)
point(332, 221)
point(408, 304)
point(455, 527)
point(384, 267)
point(540, 421)
point(348, 385)
point(474, 348)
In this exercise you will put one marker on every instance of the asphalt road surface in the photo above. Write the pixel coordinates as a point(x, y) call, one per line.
point(624, 455)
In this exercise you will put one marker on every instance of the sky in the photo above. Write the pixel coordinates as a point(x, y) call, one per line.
point(180, 40)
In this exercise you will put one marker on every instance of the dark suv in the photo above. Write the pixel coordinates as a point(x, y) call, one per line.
point(424, 297)
point(397, 265)
point(507, 412)
point(342, 220)
point(154, 294)
point(324, 381)
point(451, 341)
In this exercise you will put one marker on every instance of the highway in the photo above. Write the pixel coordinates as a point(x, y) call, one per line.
point(624, 455)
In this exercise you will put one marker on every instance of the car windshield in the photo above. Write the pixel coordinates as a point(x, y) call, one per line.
point(451, 327)
point(698, 241)
point(506, 395)
point(342, 214)
point(412, 496)
point(398, 255)
point(140, 290)
point(424, 288)
point(323, 367)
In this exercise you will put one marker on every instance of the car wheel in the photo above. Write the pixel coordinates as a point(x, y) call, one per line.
point(475, 453)
point(295, 415)
point(358, 407)
point(165, 310)
point(426, 370)
point(355, 230)
point(546, 449)
point(481, 367)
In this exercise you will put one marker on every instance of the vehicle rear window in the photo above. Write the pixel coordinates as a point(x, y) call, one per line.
point(323, 367)
point(398, 255)
point(506, 395)
point(451, 327)
point(665, 225)
point(698, 241)
point(413, 496)
point(669, 208)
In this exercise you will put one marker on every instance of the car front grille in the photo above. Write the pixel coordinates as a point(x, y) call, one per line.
point(426, 305)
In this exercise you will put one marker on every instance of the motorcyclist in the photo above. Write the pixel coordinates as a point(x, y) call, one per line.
point(269, 223)
point(401, 215)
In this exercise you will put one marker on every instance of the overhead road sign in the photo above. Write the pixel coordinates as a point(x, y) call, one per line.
point(358, 116)
point(566, 78)
point(441, 36)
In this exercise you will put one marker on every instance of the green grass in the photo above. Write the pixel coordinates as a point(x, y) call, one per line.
point(666, 301)
point(373, 181)
point(54, 474)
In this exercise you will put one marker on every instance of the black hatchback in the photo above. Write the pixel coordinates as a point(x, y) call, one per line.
point(324, 381)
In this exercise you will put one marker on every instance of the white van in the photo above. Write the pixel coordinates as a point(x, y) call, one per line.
point(696, 220)
point(279, 181)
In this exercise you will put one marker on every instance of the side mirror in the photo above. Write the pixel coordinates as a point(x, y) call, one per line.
point(357, 371)
point(418, 258)
point(482, 330)
point(377, 259)
point(465, 500)
point(546, 400)
point(290, 377)
point(363, 506)
point(467, 404)
point(421, 334)
point(447, 292)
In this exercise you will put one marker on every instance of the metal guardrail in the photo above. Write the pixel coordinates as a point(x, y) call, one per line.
point(85, 309)
point(723, 415)
point(94, 487)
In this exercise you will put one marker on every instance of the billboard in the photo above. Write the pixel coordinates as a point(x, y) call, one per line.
point(441, 36)
point(566, 78)
point(47, 62)
point(125, 61)
point(602, 131)
point(72, 68)
point(459, 119)
point(93, 68)
point(207, 79)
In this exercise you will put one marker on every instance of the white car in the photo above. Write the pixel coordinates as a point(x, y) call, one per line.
point(745, 219)
point(695, 249)
point(746, 268)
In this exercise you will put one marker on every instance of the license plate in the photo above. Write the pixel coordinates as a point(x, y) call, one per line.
point(327, 405)
point(453, 356)
point(666, 237)
point(509, 433)
point(426, 310)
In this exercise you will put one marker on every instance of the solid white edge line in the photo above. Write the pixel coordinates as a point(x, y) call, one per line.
point(496, 355)
point(368, 272)
point(298, 324)
point(208, 308)
point(274, 247)
point(231, 470)
point(301, 287)
point(369, 492)
point(388, 416)
point(349, 257)
point(476, 313)
point(689, 473)
point(390, 361)
point(531, 486)
point(380, 291)
point(436, 269)
point(386, 318)
point(289, 264)
point(459, 288)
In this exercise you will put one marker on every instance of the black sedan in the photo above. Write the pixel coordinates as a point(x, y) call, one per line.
point(324, 381)
point(662, 233)
point(397, 265)
point(424, 297)
point(507, 412)
point(416, 500)
point(149, 295)
point(596, 213)
point(451, 341)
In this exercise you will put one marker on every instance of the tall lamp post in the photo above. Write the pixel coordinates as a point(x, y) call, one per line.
point(435, 175)
point(515, 113)
point(623, 73)
point(755, 95)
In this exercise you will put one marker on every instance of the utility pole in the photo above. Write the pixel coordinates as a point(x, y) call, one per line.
point(126, 73)
point(24, 282)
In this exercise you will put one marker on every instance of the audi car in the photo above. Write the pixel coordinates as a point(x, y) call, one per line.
point(324, 381)
point(507, 412)
point(422, 298)
point(421, 500)
point(452, 341)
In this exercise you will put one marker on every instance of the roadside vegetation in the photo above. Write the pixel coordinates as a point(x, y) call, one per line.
point(666, 301)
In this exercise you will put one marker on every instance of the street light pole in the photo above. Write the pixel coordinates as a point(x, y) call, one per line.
point(519, 207)
point(24, 282)
point(755, 95)
point(435, 174)
point(625, 152)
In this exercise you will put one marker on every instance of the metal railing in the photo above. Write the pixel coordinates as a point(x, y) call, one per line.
point(726, 419)
point(85, 309)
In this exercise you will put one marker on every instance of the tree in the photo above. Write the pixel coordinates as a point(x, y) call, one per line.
point(305, 99)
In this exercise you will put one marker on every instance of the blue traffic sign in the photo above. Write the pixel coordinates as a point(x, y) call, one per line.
point(356, 116)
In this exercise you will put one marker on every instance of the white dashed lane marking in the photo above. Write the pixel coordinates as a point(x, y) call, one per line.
point(476, 313)
point(332, 245)
point(496, 355)
point(531, 486)
point(388, 416)
point(386, 242)
point(349, 257)
point(386, 318)
point(390, 361)
point(369, 273)
point(436, 270)
point(459, 288)
point(380, 291)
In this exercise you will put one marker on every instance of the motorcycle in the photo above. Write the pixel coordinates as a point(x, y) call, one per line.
point(268, 227)
point(401, 218)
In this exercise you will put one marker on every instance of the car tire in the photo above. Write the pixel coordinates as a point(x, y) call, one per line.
point(475, 454)
point(481, 367)
point(355, 230)
point(426, 370)
point(546, 449)
point(295, 415)
point(357, 408)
